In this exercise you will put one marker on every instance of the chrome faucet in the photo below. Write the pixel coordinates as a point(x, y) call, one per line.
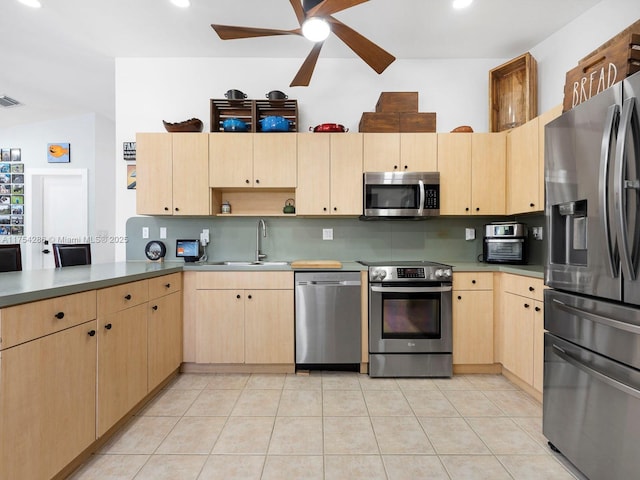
point(260, 256)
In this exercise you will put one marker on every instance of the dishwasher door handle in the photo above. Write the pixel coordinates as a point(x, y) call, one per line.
point(330, 283)
point(410, 289)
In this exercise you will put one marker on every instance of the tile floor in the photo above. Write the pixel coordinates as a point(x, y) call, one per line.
point(331, 425)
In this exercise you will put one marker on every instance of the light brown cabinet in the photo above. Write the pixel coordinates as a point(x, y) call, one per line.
point(252, 160)
point(172, 171)
point(47, 388)
point(243, 318)
point(472, 318)
point(329, 174)
point(472, 173)
point(400, 152)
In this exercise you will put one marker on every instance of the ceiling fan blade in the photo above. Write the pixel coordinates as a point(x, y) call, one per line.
point(229, 32)
point(303, 77)
point(329, 7)
point(375, 56)
point(299, 10)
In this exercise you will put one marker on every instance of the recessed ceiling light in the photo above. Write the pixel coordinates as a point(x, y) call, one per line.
point(458, 4)
point(31, 3)
point(181, 3)
point(316, 29)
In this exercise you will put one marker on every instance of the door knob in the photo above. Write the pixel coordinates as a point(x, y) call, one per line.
point(46, 250)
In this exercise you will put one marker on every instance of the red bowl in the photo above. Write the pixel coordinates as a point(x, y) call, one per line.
point(329, 127)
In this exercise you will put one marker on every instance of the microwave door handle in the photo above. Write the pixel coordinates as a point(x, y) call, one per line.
point(620, 184)
point(422, 197)
point(604, 186)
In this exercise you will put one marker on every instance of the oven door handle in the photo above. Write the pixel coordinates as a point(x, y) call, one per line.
point(410, 289)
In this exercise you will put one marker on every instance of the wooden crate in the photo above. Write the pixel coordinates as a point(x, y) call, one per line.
point(513, 93)
point(610, 63)
point(282, 108)
point(418, 122)
point(374, 122)
point(223, 109)
point(397, 102)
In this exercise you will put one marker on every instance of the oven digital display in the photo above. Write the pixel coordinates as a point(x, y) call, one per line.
point(405, 317)
point(410, 272)
point(503, 230)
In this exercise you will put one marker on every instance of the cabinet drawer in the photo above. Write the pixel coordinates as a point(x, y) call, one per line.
point(120, 297)
point(245, 280)
point(160, 286)
point(524, 286)
point(25, 322)
point(473, 281)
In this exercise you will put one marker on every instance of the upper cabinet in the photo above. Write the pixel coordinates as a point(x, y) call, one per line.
point(525, 170)
point(472, 173)
point(171, 174)
point(329, 174)
point(247, 160)
point(400, 152)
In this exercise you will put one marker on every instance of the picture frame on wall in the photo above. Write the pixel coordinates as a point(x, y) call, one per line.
point(5, 155)
point(58, 152)
point(131, 177)
point(15, 155)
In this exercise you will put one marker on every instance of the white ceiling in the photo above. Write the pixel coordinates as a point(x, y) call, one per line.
point(59, 60)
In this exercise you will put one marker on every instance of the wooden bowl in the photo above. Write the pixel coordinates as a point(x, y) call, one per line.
point(462, 129)
point(191, 125)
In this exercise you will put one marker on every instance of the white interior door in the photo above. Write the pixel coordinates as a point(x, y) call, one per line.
point(56, 213)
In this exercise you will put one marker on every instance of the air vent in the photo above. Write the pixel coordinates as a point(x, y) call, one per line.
point(8, 101)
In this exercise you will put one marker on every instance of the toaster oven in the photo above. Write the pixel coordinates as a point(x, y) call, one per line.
point(505, 242)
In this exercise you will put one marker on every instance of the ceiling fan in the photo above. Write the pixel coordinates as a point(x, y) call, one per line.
point(307, 12)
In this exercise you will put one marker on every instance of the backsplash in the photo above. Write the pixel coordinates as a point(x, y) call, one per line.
point(234, 238)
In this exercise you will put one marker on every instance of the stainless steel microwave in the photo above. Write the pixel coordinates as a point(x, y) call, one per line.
point(401, 195)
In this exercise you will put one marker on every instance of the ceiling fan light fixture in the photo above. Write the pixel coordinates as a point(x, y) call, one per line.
point(316, 29)
point(31, 3)
point(460, 4)
point(181, 3)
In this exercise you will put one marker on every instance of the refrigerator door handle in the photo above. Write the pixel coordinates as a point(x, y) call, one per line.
point(594, 317)
point(627, 120)
point(595, 373)
point(611, 122)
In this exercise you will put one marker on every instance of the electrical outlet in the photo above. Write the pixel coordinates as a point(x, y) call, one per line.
point(163, 232)
point(469, 233)
point(537, 233)
point(327, 233)
point(205, 235)
point(145, 232)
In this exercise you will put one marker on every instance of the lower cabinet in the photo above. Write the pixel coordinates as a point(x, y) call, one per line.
point(244, 318)
point(472, 318)
point(47, 402)
point(164, 341)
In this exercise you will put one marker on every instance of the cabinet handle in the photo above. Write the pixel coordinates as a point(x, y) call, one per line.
point(459, 297)
point(466, 209)
point(177, 209)
point(127, 296)
point(531, 289)
point(257, 180)
point(92, 333)
point(406, 167)
point(473, 281)
point(532, 205)
point(324, 209)
point(526, 305)
point(59, 315)
point(155, 307)
point(335, 209)
point(395, 167)
point(247, 181)
point(537, 309)
point(238, 296)
point(477, 209)
point(166, 209)
point(108, 326)
point(249, 297)
point(167, 285)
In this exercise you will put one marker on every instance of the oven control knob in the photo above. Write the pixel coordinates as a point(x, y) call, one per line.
point(378, 275)
point(443, 273)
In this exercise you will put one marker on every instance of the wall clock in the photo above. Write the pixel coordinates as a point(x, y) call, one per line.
point(155, 250)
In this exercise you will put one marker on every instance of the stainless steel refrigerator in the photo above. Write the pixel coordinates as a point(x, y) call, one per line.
point(591, 393)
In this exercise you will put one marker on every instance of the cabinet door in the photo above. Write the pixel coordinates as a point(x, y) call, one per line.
point(219, 326)
point(154, 187)
point(488, 173)
point(454, 165)
point(381, 152)
point(191, 193)
point(523, 170)
point(47, 402)
point(473, 327)
point(269, 336)
point(346, 174)
point(230, 160)
point(538, 345)
point(518, 336)
point(164, 337)
point(274, 160)
point(419, 152)
point(122, 360)
point(313, 190)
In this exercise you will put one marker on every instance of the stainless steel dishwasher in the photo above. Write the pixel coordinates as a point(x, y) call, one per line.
point(328, 318)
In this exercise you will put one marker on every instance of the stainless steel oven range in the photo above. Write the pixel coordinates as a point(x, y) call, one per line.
point(410, 328)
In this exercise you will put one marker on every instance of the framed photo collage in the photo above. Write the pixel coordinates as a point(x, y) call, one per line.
point(11, 192)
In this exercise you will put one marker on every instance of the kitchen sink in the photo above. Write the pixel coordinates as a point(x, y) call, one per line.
point(240, 263)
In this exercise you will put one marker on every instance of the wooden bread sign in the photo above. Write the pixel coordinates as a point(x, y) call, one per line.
point(610, 63)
